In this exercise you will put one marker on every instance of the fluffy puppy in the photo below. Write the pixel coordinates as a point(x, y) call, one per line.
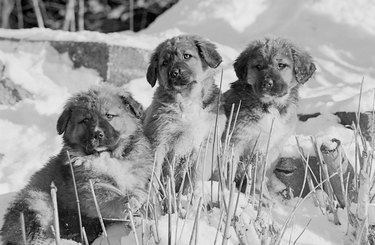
point(181, 117)
point(92, 123)
point(270, 73)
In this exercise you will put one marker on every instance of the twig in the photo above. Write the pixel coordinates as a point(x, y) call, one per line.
point(55, 213)
point(264, 168)
point(23, 229)
point(229, 217)
point(19, 14)
point(98, 211)
point(302, 231)
point(218, 226)
point(215, 130)
point(76, 195)
point(131, 20)
point(196, 221)
point(132, 224)
point(38, 14)
point(85, 236)
point(169, 212)
point(81, 14)
point(69, 22)
point(327, 184)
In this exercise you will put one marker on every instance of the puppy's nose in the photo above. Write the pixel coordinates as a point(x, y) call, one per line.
point(174, 73)
point(98, 134)
point(267, 84)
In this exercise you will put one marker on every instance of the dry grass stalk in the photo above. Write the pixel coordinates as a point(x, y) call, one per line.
point(219, 226)
point(229, 216)
point(304, 229)
point(132, 225)
point(38, 13)
point(215, 130)
point(187, 215)
point(131, 19)
point(85, 236)
point(19, 14)
point(169, 212)
point(23, 229)
point(264, 169)
point(308, 177)
point(327, 184)
point(194, 232)
point(69, 22)
point(98, 211)
point(362, 211)
point(156, 230)
point(76, 195)
point(81, 14)
point(55, 213)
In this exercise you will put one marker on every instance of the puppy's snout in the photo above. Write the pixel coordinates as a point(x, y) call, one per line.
point(98, 134)
point(267, 84)
point(174, 73)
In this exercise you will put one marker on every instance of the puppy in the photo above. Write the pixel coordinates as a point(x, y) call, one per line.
point(270, 73)
point(92, 123)
point(180, 120)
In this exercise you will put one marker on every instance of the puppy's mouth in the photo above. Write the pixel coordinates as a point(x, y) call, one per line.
point(270, 89)
point(97, 147)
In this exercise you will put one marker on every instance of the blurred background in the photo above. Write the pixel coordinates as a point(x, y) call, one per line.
point(77, 15)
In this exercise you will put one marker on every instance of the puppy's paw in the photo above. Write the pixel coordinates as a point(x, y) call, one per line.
point(134, 205)
point(81, 161)
point(118, 153)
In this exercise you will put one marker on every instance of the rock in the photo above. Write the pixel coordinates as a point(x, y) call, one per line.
point(366, 121)
point(88, 54)
point(115, 64)
point(291, 172)
point(126, 63)
point(11, 93)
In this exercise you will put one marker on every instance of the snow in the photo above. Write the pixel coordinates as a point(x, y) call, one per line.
point(339, 35)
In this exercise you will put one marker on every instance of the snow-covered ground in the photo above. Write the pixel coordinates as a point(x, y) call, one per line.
point(340, 35)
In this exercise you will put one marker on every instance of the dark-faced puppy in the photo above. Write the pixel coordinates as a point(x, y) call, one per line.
point(180, 120)
point(92, 123)
point(269, 72)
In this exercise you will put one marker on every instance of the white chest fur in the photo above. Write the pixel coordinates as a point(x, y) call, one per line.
point(197, 124)
point(282, 127)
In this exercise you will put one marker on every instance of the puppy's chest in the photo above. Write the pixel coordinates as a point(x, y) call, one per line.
point(282, 127)
point(121, 171)
point(196, 125)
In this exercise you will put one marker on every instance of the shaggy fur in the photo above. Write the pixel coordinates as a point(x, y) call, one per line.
point(269, 72)
point(93, 123)
point(184, 107)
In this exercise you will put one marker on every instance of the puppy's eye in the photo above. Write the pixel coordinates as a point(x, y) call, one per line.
point(258, 67)
point(165, 62)
point(187, 56)
point(110, 116)
point(281, 66)
point(84, 121)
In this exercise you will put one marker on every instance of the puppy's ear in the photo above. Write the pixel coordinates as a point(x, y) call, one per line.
point(63, 120)
point(152, 70)
point(304, 67)
point(240, 64)
point(208, 53)
point(134, 106)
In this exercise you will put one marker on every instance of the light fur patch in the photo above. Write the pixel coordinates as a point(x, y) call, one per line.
point(119, 170)
point(40, 203)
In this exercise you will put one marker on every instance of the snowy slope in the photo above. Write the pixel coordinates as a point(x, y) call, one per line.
point(340, 35)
